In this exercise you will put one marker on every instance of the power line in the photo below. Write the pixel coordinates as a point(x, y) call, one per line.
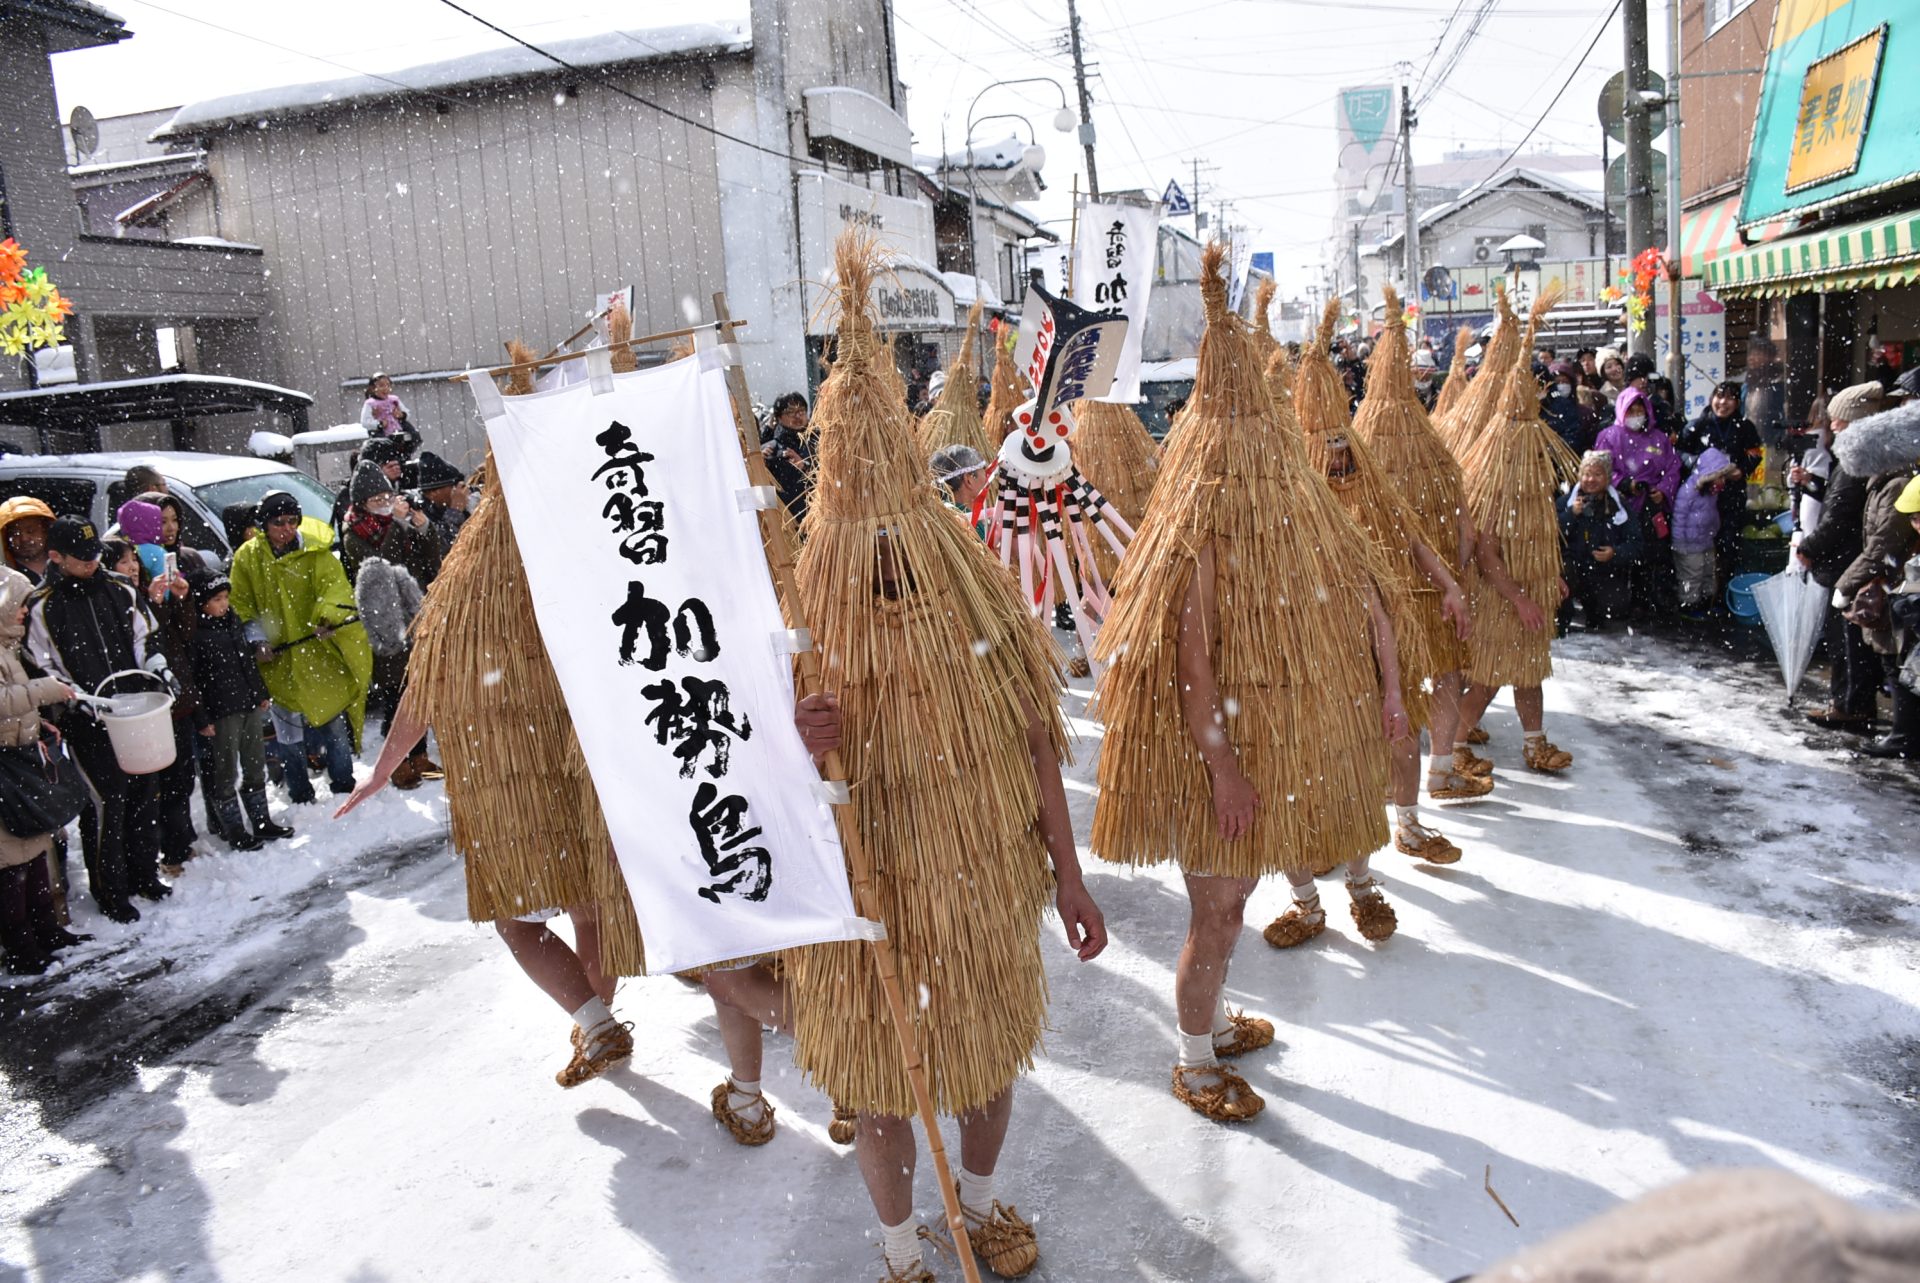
point(1578, 66)
point(624, 92)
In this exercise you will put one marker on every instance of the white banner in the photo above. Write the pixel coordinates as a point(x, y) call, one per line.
point(651, 587)
point(1113, 273)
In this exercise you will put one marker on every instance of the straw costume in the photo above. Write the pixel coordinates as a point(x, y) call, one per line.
point(955, 416)
point(940, 670)
point(1512, 474)
point(1119, 457)
point(1298, 696)
point(1421, 470)
point(1455, 386)
point(1462, 425)
point(1003, 392)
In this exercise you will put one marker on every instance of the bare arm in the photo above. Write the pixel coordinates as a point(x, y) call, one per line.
point(1086, 927)
point(1386, 656)
point(1453, 602)
point(406, 731)
point(1234, 798)
point(1493, 566)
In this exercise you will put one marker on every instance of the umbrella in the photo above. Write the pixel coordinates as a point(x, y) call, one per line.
point(1793, 607)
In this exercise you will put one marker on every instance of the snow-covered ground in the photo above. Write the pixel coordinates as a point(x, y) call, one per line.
point(1697, 947)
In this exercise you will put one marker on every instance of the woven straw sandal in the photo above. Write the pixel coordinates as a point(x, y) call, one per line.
point(1231, 1100)
point(1371, 912)
point(1423, 843)
point(845, 1123)
point(1248, 1033)
point(1543, 755)
point(1466, 763)
point(1004, 1242)
point(585, 1067)
point(1452, 786)
point(915, 1273)
point(1477, 736)
point(1297, 925)
point(756, 1132)
point(1079, 667)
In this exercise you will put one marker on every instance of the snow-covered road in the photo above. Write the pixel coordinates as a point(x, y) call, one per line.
point(1698, 947)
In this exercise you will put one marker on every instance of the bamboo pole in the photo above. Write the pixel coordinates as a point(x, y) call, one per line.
point(543, 362)
point(776, 532)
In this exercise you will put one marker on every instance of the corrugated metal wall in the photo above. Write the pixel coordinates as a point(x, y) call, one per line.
point(417, 236)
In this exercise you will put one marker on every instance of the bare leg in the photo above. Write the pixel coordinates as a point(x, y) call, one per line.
point(1531, 704)
point(1217, 907)
point(754, 992)
point(548, 962)
point(741, 1033)
point(886, 1150)
point(1444, 723)
point(984, 1131)
point(586, 944)
point(1473, 705)
point(1406, 770)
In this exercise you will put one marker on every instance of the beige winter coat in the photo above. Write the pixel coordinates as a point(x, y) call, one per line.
point(20, 700)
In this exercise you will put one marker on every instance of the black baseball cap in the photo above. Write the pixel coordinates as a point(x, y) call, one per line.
point(74, 537)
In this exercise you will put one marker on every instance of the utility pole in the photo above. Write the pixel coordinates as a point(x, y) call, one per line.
point(1199, 219)
point(1359, 289)
point(1086, 102)
point(1639, 131)
point(1676, 354)
point(1407, 122)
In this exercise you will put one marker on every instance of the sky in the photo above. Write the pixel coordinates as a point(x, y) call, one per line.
point(1246, 87)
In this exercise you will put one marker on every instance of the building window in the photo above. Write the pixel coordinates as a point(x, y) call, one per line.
point(1720, 12)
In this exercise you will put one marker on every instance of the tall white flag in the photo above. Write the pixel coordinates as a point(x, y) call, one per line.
point(637, 524)
point(1113, 272)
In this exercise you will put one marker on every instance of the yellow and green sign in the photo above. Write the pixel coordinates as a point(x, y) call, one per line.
point(1836, 120)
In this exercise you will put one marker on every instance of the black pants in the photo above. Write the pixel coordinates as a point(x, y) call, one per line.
point(1601, 591)
point(1855, 676)
point(114, 867)
point(27, 922)
point(1906, 704)
point(163, 826)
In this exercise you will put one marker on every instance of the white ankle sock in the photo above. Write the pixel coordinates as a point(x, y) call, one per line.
point(1221, 1025)
point(1440, 764)
point(1459, 745)
point(1306, 893)
point(1357, 870)
point(1406, 817)
point(901, 1243)
point(592, 1014)
point(1536, 737)
point(976, 1195)
point(1196, 1050)
point(745, 1098)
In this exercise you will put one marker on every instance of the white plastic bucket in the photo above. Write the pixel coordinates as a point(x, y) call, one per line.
point(140, 725)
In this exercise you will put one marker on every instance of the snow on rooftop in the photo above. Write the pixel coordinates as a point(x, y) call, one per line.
point(607, 48)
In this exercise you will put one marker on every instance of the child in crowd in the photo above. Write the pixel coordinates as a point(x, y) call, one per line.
point(1696, 524)
point(232, 720)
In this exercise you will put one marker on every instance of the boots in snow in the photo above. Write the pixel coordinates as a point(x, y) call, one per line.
point(234, 826)
point(264, 827)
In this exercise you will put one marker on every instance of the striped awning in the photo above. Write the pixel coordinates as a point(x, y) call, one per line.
point(1707, 233)
point(1872, 255)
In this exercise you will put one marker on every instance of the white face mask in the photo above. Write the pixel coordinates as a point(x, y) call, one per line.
point(1636, 423)
point(382, 507)
point(1563, 389)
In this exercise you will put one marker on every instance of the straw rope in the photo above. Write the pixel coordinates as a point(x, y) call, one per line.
point(1371, 501)
point(954, 418)
point(1512, 476)
point(936, 689)
point(1420, 469)
point(1293, 659)
point(524, 814)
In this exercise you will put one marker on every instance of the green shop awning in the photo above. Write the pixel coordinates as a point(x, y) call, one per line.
point(1871, 255)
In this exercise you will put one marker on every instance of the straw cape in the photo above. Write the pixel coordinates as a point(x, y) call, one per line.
point(1455, 386)
point(1464, 424)
point(1512, 475)
point(1293, 660)
point(1003, 396)
point(1335, 450)
point(938, 665)
point(954, 418)
point(1420, 470)
point(1115, 452)
point(525, 816)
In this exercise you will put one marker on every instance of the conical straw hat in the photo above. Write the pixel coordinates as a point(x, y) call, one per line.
point(1319, 396)
point(1476, 407)
point(955, 416)
point(1003, 395)
point(938, 665)
point(1293, 660)
point(1455, 386)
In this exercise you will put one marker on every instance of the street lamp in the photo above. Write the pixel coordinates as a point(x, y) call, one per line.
point(1063, 120)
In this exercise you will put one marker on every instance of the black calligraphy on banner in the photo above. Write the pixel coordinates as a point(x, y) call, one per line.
point(720, 827)
point(693, 717)
point(1110, 293)
point(697, 717)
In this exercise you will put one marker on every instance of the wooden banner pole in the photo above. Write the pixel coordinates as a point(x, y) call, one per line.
point(544, 361)
point(776, 532)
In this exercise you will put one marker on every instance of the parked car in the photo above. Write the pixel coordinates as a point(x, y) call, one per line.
point(205, 484)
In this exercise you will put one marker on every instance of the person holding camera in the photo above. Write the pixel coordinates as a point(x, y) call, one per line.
point(388, 537)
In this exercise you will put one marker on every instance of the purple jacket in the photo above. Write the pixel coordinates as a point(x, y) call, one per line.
point(1647, 457)
point(1696, 513)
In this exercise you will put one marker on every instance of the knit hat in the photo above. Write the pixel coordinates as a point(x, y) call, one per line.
point(384, 450)
point(139, 521)
point(369, 482)
point(436, 472)
point(1640, 366)
point(1850, 405)
point(1909, 501)
point(206, 588)
point(278, 503)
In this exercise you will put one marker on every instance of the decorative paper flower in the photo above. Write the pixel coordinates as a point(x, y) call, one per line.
point(31, 306)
